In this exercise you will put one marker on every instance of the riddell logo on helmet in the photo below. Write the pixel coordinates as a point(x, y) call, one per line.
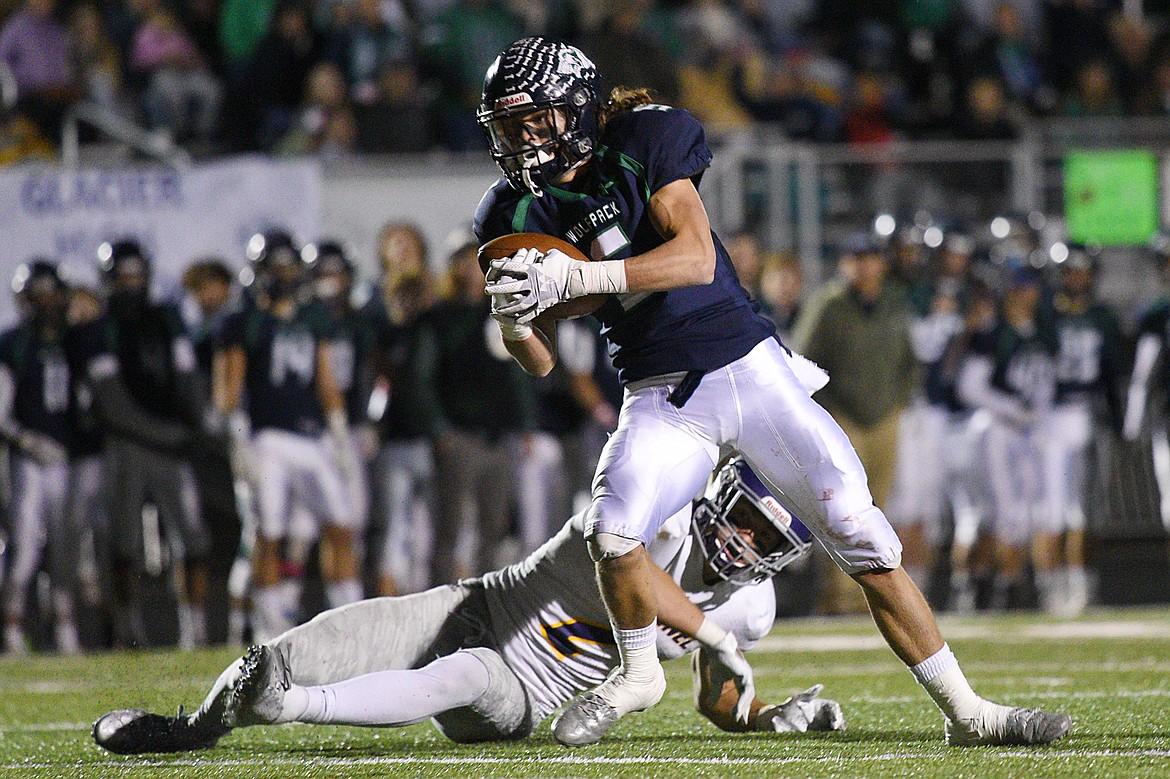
point(509, 101)
point(775, 509)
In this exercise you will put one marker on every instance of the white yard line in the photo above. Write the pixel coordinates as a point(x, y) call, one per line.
point(570, 760)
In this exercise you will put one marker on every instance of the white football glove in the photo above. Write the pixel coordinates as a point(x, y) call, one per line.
point(801, 713)
point(726, 654)
point(529, 283)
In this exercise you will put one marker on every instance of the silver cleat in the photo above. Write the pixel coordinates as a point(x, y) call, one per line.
point(1022, 727)
point(585, 721)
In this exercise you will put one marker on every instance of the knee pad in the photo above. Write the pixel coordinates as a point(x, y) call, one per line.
point(502, 713)
point(607, 546)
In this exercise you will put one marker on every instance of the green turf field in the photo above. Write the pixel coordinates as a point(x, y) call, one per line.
point(1109, 670)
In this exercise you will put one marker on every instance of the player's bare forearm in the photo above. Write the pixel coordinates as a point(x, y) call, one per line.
point(716, 695)
point(227, 379)
point(327, 390)
point(687, 257)
point(537, 354)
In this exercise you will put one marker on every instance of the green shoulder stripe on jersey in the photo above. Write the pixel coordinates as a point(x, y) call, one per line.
point(520, 217)
point(630, 164)
point(564, 194)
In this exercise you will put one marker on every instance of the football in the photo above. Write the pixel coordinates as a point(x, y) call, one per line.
point(507, 245)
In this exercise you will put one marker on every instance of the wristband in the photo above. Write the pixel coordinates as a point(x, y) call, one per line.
point(605, 278)
point(709, 634)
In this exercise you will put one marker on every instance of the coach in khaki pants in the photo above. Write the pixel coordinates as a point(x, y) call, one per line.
point(858, 329)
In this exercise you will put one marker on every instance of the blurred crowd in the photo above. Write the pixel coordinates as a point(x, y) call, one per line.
point(334, 77)
point(290, 436)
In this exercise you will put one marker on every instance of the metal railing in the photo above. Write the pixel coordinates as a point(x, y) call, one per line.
point(157, 145)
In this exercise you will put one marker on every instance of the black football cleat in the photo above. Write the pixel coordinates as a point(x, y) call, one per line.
point(138, 732)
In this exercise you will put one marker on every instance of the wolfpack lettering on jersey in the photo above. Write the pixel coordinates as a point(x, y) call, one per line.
point(41, 378)
point(560, 641)
point(692, 329)
point(1024, 363)
point(281, 378)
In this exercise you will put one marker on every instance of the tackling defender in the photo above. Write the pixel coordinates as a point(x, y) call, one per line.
point(702, 370)
point(517, 643)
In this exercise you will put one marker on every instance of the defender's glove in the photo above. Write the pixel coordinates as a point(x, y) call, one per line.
point(725, 653)
point(801, 713)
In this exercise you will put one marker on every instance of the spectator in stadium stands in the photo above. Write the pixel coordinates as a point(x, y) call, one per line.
point(1094, 93)
point(1079, 31)
point(37, 424)
point(986, 114)
point(242, 25)
point(747, 257)
point(182, 95)
point(210, 283)
point(1006, 51)
point(34, 46)
point(140, 367)
point(96, 59)
point(461, 43)
point(399, 546)
point(271, 92)
point(21, 140)
point(626, 48)
point(477, 404)
point(377, 34)
point(781, 289)
point(868, 120)
point(401, 116)
point(325, 124)
point(858, 331)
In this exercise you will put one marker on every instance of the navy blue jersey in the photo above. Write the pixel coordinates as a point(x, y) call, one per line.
point(151, 356)
point(281, 377)
point(604, 213)
point(350, 352)
point(43, 389)
point(1024, 363)
point(1088, 361)
point(1156, 322)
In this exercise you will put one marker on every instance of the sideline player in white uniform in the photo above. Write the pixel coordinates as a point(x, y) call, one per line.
point(1087, 368)
point(293, 443)
point(517, 643)
point(1010, 372)
point(702, 370)
point(36, 417)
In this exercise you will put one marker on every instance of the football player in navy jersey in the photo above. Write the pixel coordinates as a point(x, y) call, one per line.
point(275, 384)
point(139, 365)
point(351, 348)
point(36, 418)
point(702, 371)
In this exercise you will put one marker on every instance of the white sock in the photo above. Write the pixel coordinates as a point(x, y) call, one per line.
point(343, 592)
point(948, 687)
point(391, 698)
point(639, 653)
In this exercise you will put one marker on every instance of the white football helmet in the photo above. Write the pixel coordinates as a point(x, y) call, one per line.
point(736, 500)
